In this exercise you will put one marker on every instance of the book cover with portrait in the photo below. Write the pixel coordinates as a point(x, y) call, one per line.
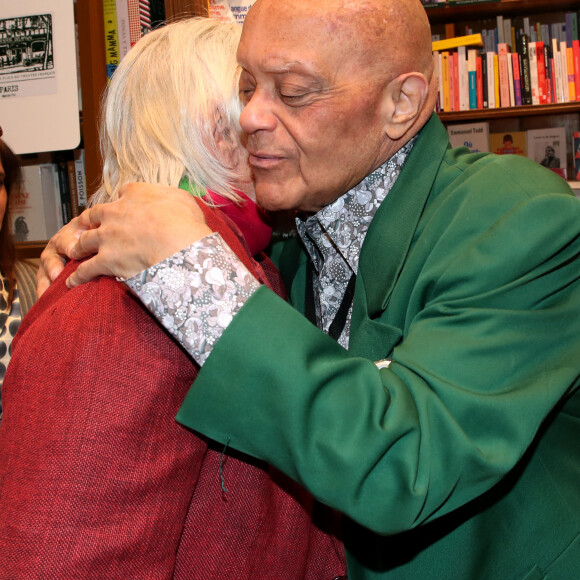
point(509, 143)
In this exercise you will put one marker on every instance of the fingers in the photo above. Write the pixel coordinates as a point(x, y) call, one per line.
point(87, 271)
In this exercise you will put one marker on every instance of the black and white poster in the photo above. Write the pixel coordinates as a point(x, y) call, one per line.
point(39, 102)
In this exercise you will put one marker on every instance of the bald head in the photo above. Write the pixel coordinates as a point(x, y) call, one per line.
point(391, 36)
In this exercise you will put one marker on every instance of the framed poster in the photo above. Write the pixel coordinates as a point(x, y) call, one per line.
point(39, 101)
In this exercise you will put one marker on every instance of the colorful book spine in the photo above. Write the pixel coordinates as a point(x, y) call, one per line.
point(479, 81)
point(445, 74)
point(571, 76)
point(534, 74)
point(504, 85)
point(496, 80)
point(134, 21)
point(145, 16)
point(576, 52)
point(491, 79)
point(525, 70)
point(123, 27)
point(472, 77)
point(517, 79)
point(111, 36)
point(542, 88)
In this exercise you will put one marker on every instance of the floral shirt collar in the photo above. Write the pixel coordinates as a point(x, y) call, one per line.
point(334, 236)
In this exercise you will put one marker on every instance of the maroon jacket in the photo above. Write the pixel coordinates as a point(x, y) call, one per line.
point(97, 480)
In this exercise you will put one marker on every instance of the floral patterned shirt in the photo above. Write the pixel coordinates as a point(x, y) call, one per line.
point(196, 292)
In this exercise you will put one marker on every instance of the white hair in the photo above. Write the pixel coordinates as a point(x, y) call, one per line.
point(163, 104)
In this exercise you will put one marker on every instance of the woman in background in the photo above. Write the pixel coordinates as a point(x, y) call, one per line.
point(97, 480)
point(18, 277)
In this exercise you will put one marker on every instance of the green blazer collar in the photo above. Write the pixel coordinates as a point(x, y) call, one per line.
point(391, 232)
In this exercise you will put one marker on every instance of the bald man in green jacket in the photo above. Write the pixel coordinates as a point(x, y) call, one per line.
point(434, 401)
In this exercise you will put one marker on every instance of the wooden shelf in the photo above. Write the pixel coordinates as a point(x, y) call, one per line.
point(507, 113)
point(29, 250)
point(512, 8)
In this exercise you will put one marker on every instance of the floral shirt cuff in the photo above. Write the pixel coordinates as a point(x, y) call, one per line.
point(196, 292)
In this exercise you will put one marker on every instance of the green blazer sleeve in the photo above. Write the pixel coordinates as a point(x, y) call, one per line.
point(469, 281)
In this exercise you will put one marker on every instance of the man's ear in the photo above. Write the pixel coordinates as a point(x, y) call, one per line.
point(405, 102)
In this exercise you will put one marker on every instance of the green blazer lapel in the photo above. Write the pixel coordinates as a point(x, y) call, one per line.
point(388, 241)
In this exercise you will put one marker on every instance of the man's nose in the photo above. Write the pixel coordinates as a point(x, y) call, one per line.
point(258, 114)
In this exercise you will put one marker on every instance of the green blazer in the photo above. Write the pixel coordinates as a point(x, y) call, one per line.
point(462, 459)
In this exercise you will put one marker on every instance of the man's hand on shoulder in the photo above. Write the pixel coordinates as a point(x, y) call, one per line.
point(146, 225)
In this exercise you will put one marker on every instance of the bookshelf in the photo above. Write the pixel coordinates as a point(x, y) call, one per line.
point(453, 20)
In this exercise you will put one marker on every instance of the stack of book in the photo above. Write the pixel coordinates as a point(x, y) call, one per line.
point(535, 64)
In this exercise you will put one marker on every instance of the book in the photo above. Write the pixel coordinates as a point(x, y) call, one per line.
point(524, 58)
point(542, 78)
point(474, 136)
point(111, 36)
point(504, 84)
point(490, 80)
point(134, 21)
point(548, 148)
point(463, 78)
point(514, 143)
point(576, 59)
point(571, 75)
point(445, 75)
point(81, 180)
point(472, 77)
point(534, 81)
point(450, 43)
point(123, 27)
point(61, 159)
point(51, 197)
point(517, 79)
point(27, 207)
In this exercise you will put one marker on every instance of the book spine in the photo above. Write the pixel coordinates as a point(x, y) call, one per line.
point(571, 76)
point(445, 74)
point(491, 80)
point(64, 190)
point(81, 181)
point(496, 80)
point(542, 89)
point(463, 82)
point(72, 185)
point(517, 79)
point(457, 94)
point(134, 21)
point(123, 27)
point(534, 74)
point(576, 52)
point(564, 69)
point(557, 71)
point(111, 36)
point(479, 81)
point(484, 85)
point(472, 77)
point(548, 68)
point(525, 70)
point(145, 16)
point(504, 87)
point(511, 79)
